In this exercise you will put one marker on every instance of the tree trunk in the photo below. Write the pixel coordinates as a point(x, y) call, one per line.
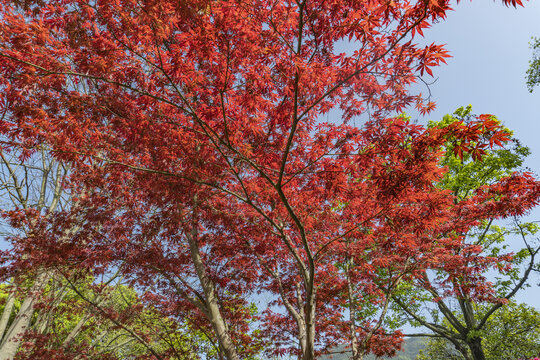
point(476, 349)
point(356, 354)
point(12, 339)
point(213, 312)
point(6, 314)
point(76, 330)
point(309, 351)
point(302, 338)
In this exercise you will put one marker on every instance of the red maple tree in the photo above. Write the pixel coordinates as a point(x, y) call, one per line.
point(197, 138)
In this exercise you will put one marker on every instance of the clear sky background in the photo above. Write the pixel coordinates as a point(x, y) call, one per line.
point(490, 47)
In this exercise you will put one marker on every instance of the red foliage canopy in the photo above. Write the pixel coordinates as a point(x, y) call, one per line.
point(196, 135)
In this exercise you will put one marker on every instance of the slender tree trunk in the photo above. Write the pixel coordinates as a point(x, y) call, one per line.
point(76, 330)
point(12, 339)
point(352, 314)
point(6, 314)
point(214, 313)
point(309, 353)
point(305, 321)
point(302, 338)
point(212, 306)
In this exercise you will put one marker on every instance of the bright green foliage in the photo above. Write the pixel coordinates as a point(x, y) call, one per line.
point(513, 332)
point(136, 322)
point(465, 174)
point(3, 300)
point(110, 319)
point(533, 73)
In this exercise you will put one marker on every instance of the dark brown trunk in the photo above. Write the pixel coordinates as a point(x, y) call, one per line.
point(476, 349)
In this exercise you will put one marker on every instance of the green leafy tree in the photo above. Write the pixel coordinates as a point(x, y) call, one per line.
point(513, 332)
point(81, 318)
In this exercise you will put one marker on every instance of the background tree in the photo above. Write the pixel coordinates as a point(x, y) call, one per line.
point(60, 311)
point(34, 188)
point(84, 319)
point(511, 333)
